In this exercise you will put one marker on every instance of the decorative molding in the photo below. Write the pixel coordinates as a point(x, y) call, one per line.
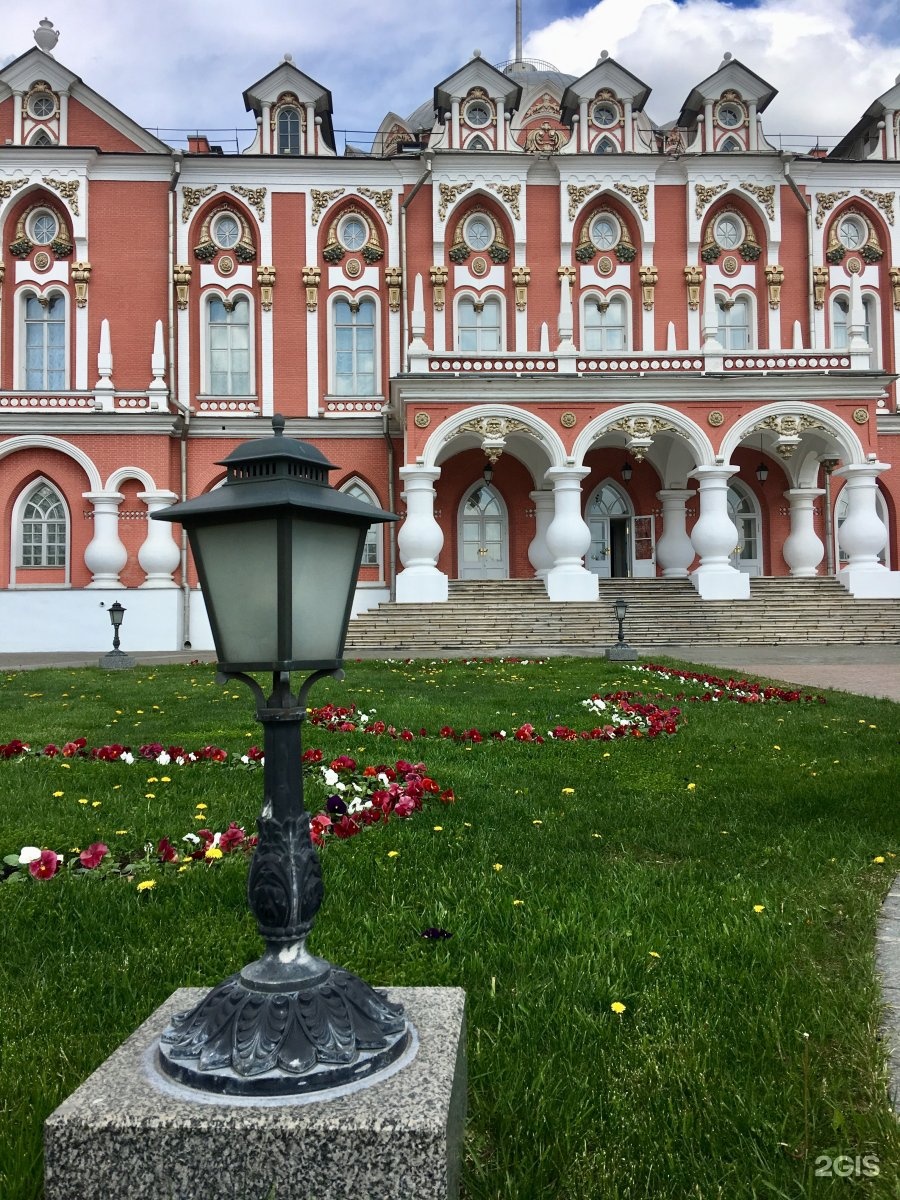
point(715, 418)
point(254, 196)
point(521, 279)
point(493, 432)
point(321, 200)
point(207, 249)
point(825, 202)
point(774, 280)
point(642, 426)
point(578, 195)
point(510, 193)
point(67, 188)
point(422, 420)
point(449, 194)
point(861, 416)
point(265, 277)
point(372, 251)
point(884, 200)
point(649, 280)
point(8, 186)
point(382, 200)
point(81, 277)
point(568, 420)
point(566, 273)
point(820, 283)
point(439, 277)
point(765, 194)
point(871, 252)
point(791, 425)
point(191, 197)
point(638, 196)
point(894, 274)
point(693, 277)
point(312, 277)
point(393, 277)
point(704, 196)
point(181, 277)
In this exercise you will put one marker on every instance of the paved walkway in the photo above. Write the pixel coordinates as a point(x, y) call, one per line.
point(872, 670)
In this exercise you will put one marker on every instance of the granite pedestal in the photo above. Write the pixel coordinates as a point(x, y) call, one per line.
point(130, 1133)
point(621, 652)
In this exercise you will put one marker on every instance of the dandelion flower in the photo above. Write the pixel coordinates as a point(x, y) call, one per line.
point(83, 800)
point(537, 822)
point(121, 832)
point(213, 852)
point(149, 795)
point(201, 806)
point(878, 859)
point(393, 853)
point(96, 803)
point(59, 793)
point(498, 866)
point(617, 1006)
point(518, 903)
point(691, 787)
point(146, 884)
point(653, 954)
point(438, 828)
point(759, 908)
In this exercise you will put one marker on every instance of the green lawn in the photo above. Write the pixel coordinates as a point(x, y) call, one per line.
point(719, 883)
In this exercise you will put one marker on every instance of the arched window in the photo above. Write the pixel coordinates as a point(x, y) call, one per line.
point(478, 325)
point(840, 324)
point(43, 528)
point(734, 322)
point(606, 146)
point(477, 143)
point(41, 138)
point(731, 146)
point(605, 324)
point(744, 512)
point(228, 346)
point(44, 363)
point(288, 131)
point(371, 556)
point(354, 347)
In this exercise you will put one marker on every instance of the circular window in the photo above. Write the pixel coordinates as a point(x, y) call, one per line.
point(478, 232)
point(226, 231)
point(42, 106)
point(353, 233)
point(851, 232)
point(605, 232)
point(605, 114)
point(729, 231)
point(44, 227)
point(730, 115)
point(478, 114)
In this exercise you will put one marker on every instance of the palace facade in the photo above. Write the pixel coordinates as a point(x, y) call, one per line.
point(559, 339)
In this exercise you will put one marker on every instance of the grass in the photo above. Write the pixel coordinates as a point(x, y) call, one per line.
point(747, 1049)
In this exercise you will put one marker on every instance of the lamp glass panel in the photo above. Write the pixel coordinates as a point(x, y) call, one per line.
point(240, 566)
point(324, 571)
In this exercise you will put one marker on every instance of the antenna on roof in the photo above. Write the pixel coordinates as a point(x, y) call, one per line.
point(518, 31)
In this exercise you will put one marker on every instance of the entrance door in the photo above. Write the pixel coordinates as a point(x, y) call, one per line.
point(747, 554)
point(483, 535)
point(609, 520)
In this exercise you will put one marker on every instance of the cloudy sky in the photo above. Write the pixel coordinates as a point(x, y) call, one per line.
point(174, 64)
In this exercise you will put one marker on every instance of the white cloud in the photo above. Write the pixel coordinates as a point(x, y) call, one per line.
point(185, 63)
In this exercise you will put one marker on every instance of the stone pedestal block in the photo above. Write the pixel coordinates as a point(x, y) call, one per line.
point(131, 1133)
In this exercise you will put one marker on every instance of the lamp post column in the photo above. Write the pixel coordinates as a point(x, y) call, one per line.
point(105, 555)
point(674, 550)
point(714, 538)
point(420, 540)
point(803, 549)
point(862, 535)
point(569, 538)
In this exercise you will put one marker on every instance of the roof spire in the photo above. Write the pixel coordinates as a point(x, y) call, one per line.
point(518, 31)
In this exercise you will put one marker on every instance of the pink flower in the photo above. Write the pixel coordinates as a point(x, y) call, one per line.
point(93, 856)
point(166, 851)
point(46, 866)
point(231, 838)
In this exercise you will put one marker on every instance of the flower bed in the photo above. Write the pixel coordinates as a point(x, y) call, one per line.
point(742, 691)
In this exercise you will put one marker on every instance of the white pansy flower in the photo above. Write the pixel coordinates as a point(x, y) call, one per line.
point(28, 854)
point(126, 757)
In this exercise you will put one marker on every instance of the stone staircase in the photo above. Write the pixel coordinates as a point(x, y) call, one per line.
point(515, 616)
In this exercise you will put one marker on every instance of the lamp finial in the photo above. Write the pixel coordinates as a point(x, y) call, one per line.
point(278, 424)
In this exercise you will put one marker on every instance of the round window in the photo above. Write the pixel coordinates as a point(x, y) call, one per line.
point(226, 231)
point(730, 115)
point(479, 232)
point(605, 114)
point(44, 227)
point(42, 106)
point(352, 233)
point(605, 232)
point(729, 231)
point(478, 114)
point(851, 232)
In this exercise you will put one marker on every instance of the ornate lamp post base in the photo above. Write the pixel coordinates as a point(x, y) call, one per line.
point(246, 1039)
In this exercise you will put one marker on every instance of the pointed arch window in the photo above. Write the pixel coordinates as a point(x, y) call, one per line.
point(42, 138)
point(605, 324)
point(606, 146)
point(477, 143)
point(44, 368)
point(43, 528)
point(289, 130)
point(479, 328)
point(734, 322)
point(354, 347)
point(228, 346)
point(730, 146)
point(371, 556)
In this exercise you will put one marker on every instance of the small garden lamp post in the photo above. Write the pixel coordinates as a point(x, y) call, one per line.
point(116, 660)
point(621, 652)
point(278, 550)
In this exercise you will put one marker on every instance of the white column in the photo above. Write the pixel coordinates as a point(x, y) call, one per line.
point(420, 540)
point(104, 388)
point(568, 538)
point(674, 550)
point(63, 118)
point(890, 134)
point(714, 538)
point(708, 126)
point(105, 555)
point(454, 124)
point(265, 130)
point(863, 534)
point(501, 126)
point(803, 549)
point(539, 554)
point(628, 127)
point(17, 118)
point(583, 127)
point(160, 554)
point(310, 129)
point(752, 128)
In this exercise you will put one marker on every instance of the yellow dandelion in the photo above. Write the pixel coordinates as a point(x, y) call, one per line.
point(568, 791)
point(653, 954)
point(121, 832)
point(66, 766)
point(776, 747)
point(146, 884)
point(213, 852)
point(59, 793)
point(83, 800)
point(393, 854)
point(149, 795)
point(759, 908)
point(879, 858)
point(438, 828)
point(165, 779)
point(692, 787)
point(537, 822)
point(606, 755)
point(185, 867)
point(498, 866)
point(152, 779)
point(617, 1006)
point(518, 903)
point(596, 835)
point(201, 806)
point(96, 803)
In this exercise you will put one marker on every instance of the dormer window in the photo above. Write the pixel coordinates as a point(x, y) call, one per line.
point(730, 146)
point(478, 114)
point(477, 143)
point(730, 114)
point(289, 131)
point(605, 114)
point(606, 146)
point(41, 138)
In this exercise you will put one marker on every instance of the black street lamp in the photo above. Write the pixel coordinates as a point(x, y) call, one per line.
point(116, 613)
point(115, 659)
point(278, 550)
point(621, 651)
point(627, 471)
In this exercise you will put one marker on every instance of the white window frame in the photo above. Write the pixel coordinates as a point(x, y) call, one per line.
point(353, 298)
point(205, 371)
point(374, 536)
point(475, 299)
point(589, 304)
point(871, 329)
point(16, 541)
point(747, 299)
point(19, 341)
point(284, 111)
